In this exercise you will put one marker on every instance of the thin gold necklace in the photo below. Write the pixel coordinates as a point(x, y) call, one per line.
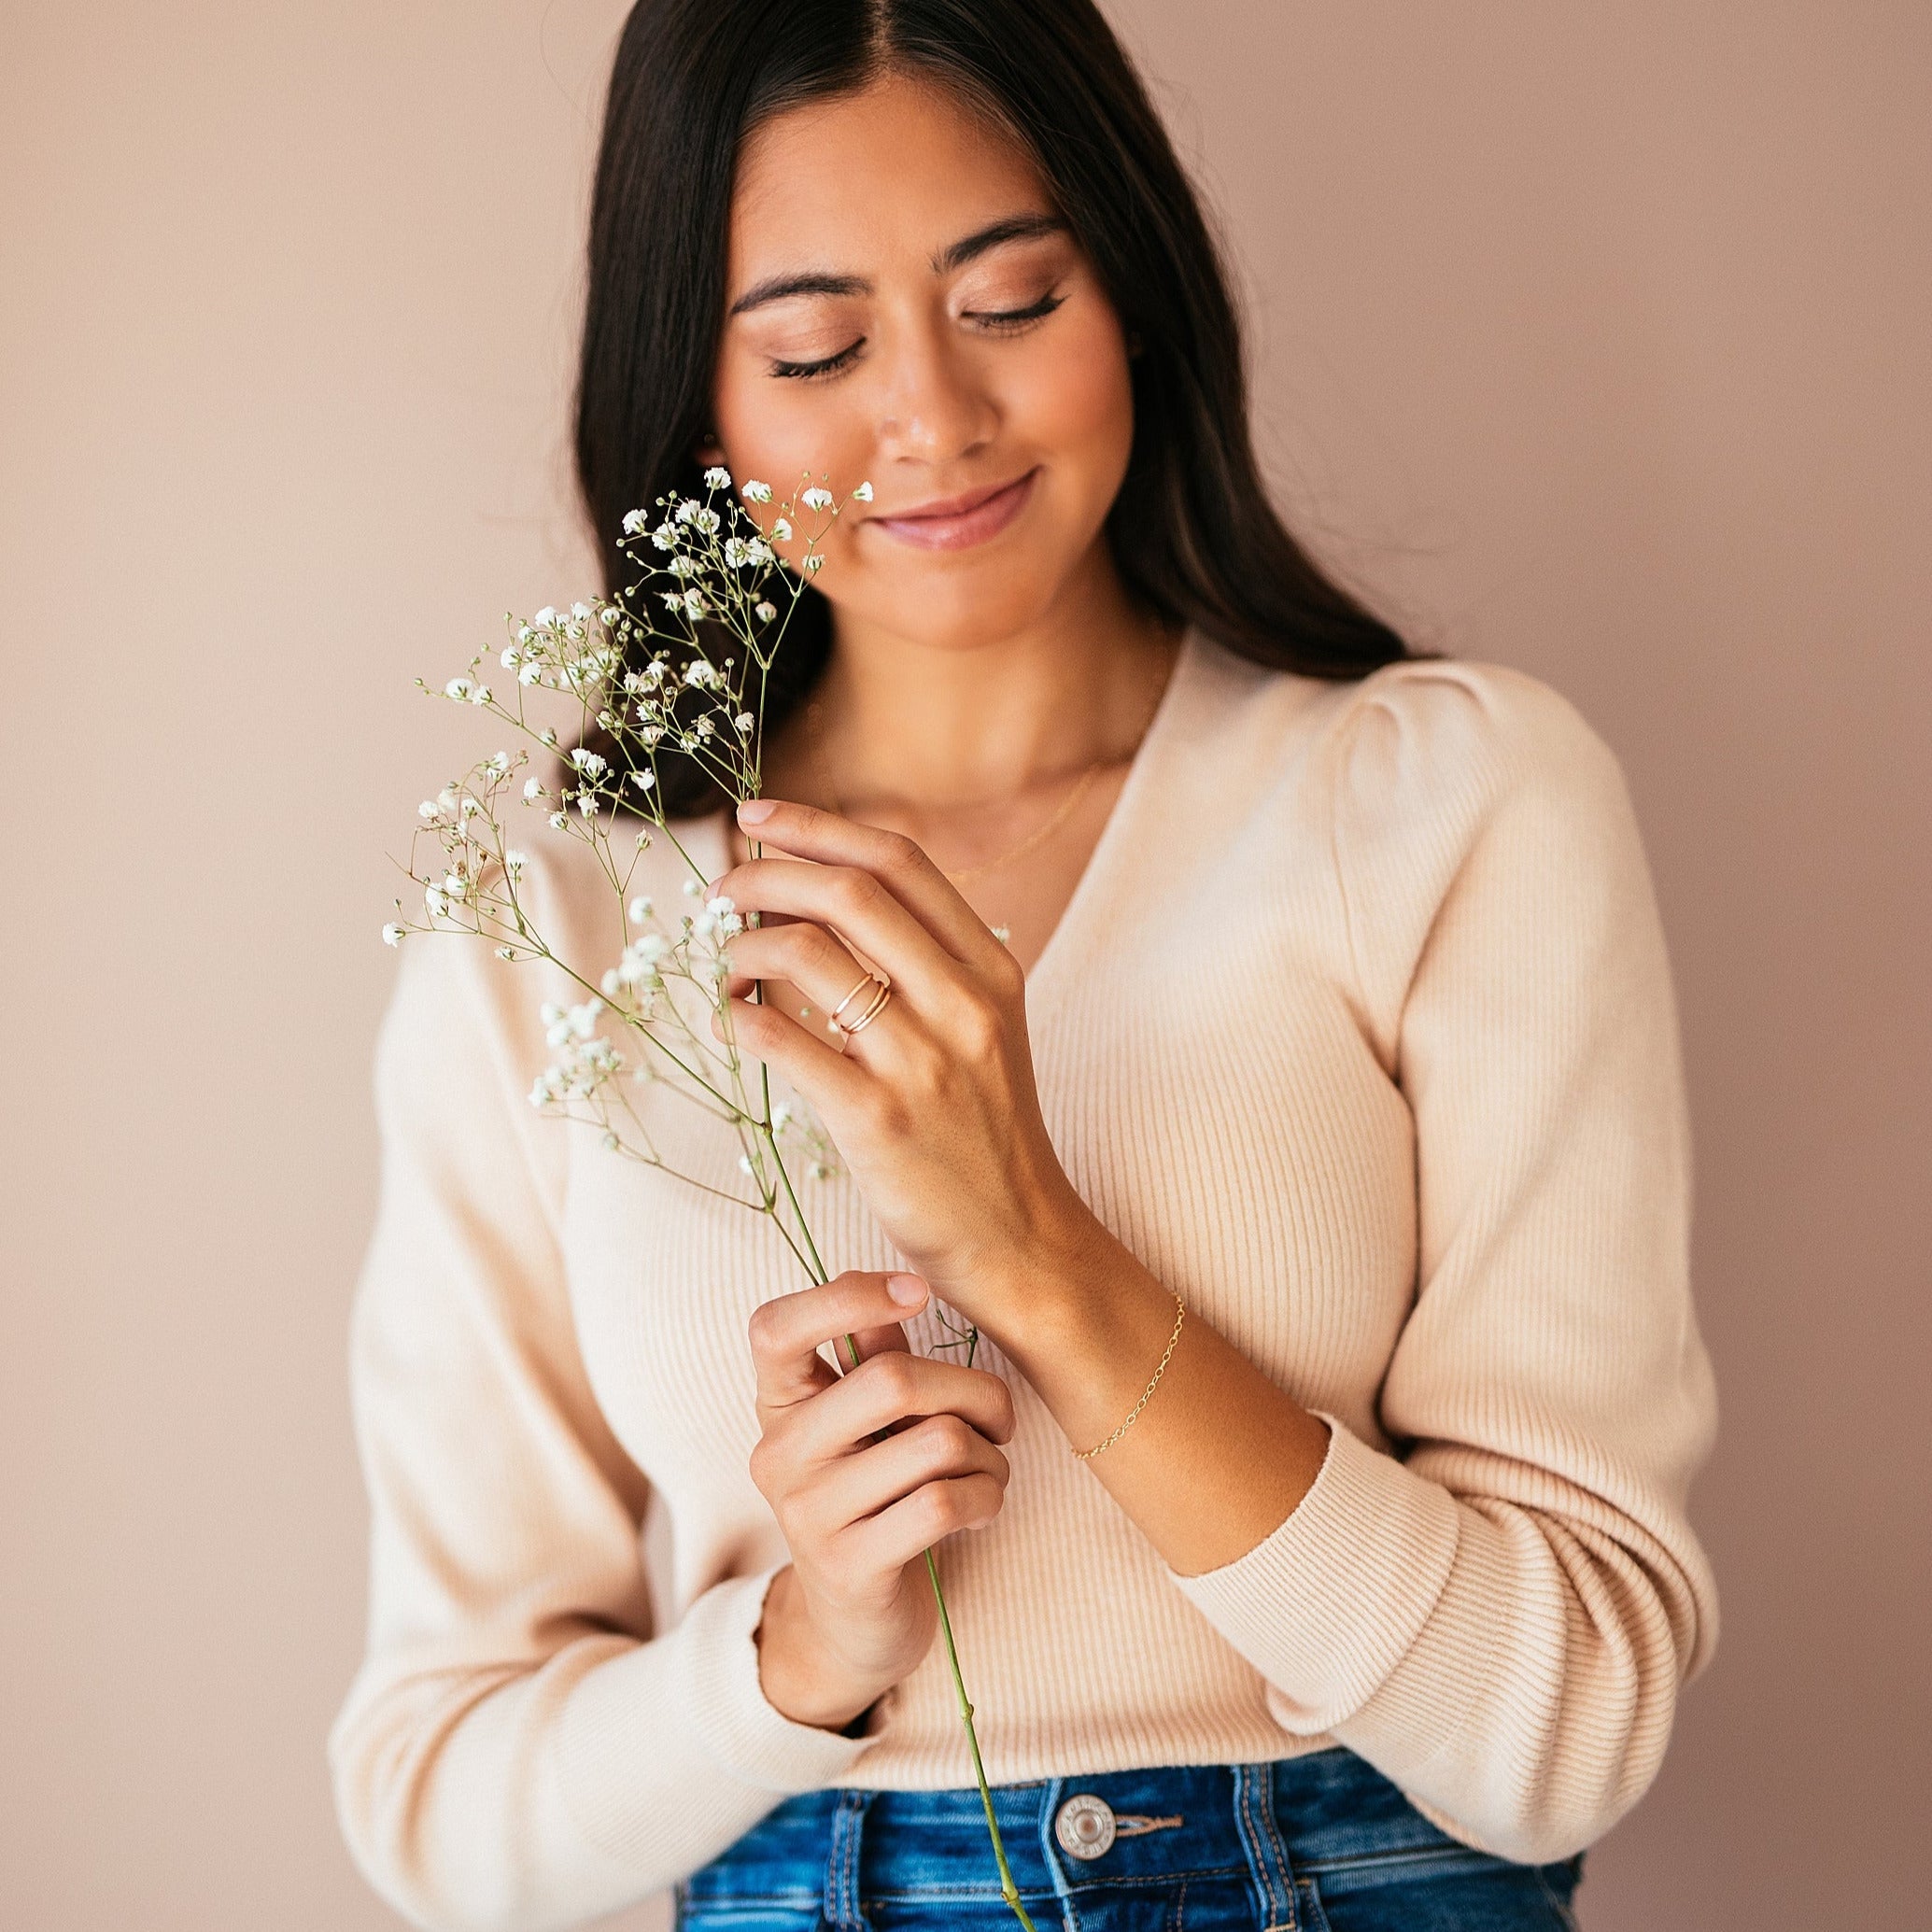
point(1038, 836)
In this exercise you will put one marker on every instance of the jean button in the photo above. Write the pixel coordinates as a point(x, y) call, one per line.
point(1084, 1827)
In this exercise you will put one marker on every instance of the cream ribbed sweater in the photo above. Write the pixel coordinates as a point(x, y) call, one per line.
point(1359, 1032)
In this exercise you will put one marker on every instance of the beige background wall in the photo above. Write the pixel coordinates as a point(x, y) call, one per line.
point(1593, 335)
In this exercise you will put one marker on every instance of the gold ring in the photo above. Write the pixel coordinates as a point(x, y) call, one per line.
point(863, 979)
point(866, 1018)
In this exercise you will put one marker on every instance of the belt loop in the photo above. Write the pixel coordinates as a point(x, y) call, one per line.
point(842, 1909)
point(1050, 1852)
point(1273, 1877)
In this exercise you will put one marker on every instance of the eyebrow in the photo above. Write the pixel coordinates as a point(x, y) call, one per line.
point(1010, 228)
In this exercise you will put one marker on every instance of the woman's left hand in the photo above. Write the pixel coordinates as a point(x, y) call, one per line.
point(933, 1106)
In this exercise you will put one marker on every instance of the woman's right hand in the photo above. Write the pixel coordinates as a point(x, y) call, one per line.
point(864, 1471)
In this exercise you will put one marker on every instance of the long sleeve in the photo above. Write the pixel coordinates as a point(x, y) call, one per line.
point(520, 1748)
point(1499, 1614)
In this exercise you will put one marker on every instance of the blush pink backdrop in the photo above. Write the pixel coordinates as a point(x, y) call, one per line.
point(1592, 339)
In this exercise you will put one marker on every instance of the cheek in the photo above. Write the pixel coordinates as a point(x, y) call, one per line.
point(785, 432)
point(1074, 405)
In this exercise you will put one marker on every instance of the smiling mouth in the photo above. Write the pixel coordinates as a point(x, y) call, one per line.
point(962, 521)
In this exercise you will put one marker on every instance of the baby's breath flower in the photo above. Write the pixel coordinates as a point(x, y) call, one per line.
point(816, 499)
point(863, 494)
point(392, 933)
point(515, 861)
point(532, 789)
point(814, 563)
point(781, 531)
point(765, 612)
point(547, 738)
point(435, 901)
point(559, 821)
point(427, 809)
point(716, 478)
point(634, 520)
point(745, 721)
point(458, 688)
point(643, 780)
point(756, 492)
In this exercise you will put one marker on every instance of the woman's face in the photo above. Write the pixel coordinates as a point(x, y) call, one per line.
point(904, 307)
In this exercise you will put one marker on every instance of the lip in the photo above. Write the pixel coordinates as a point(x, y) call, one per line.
point(957, 523)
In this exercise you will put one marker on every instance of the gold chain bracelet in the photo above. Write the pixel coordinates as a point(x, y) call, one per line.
point(1147, 1394)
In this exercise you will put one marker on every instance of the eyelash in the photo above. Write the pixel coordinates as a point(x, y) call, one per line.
point(1002, 322)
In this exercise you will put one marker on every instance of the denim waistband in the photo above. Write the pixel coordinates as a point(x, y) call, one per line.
point(1326, 1814)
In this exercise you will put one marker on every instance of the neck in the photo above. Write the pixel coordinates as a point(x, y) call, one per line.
point(912, 724)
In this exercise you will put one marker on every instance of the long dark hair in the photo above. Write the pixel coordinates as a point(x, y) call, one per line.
point(1194, 533)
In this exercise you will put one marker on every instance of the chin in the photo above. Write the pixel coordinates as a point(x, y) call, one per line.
point(950, 614)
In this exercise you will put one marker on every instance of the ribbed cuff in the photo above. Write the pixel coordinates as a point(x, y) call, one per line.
point(717, 1673)
point(685, 1714)
point(1330, 1604)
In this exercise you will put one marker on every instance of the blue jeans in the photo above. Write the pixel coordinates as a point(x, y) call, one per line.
point(1319, 1843)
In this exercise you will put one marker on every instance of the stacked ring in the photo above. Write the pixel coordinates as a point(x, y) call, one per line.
point(882, 993)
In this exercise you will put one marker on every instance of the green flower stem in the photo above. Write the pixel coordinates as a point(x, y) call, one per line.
point(1009, 1890)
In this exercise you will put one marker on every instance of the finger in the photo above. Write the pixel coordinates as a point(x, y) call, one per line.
point(788, 1332)
point(854, 903)
point(899, 863)
point(936, 1448)
point(803, 952)
point(834, 983)
point(830, 1080)
point(900, 1533)
point(887, 1390)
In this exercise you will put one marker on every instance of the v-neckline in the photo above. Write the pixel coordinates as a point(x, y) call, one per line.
point(1115, 836)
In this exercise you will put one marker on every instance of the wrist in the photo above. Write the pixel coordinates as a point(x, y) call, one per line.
point(800, 1677)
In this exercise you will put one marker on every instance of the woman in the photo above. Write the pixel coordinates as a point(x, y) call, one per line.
point(1308, 1140)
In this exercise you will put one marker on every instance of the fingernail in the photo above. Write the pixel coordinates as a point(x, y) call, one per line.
point(755, 812)
point(909, 1291)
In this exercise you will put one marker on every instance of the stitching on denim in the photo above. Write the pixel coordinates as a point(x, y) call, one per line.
point(979, 1893)
point(842, 1897)
point(1050, 1852)
point(1267, 1870)
point(1450, 1854)
point(1314, 1913)
point(1284, 1865)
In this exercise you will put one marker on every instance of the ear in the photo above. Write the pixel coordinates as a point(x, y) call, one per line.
point(709, 450)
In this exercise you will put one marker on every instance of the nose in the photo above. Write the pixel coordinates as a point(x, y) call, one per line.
point(934, 407)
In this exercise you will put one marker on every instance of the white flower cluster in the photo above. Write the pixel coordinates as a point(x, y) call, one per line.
point(674, 663)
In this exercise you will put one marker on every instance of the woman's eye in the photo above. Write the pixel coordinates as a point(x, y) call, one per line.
point(1007, 319)
point(825, 365)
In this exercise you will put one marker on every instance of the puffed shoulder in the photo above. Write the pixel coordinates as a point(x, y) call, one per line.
point(1423, 737)
point(1444, 775)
